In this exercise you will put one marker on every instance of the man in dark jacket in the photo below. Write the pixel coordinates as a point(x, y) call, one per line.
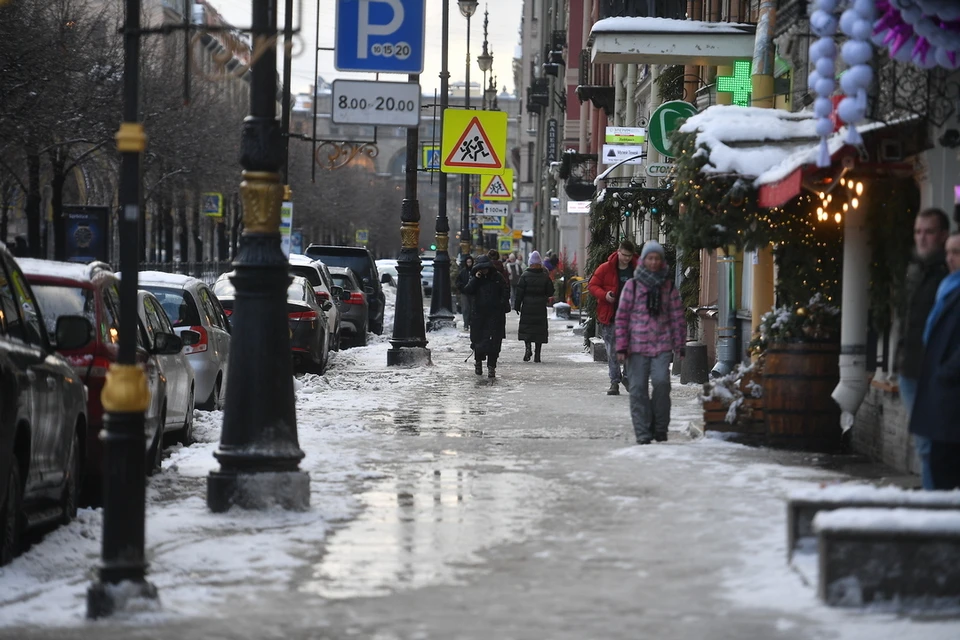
point(606, 285)
point(926, 270)
point(935, 414)
point(488, 326)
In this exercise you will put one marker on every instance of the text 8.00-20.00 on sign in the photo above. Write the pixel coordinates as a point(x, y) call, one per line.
point(377, 103)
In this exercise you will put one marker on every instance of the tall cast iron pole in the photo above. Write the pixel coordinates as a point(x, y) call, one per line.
point(465, 236)
point(409, 341)
point(259, 451)
point(125, 396)
point(441, 305)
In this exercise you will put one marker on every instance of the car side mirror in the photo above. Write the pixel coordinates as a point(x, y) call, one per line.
point(73, 332)
point(385, 278)
point(368, 290)
point(344, 296)
point(167, 344)
point(337, 292)
point(326, 305)
point(189, 337)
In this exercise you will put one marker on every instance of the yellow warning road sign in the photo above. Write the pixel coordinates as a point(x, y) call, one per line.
point(497, 187)
point(474, 141)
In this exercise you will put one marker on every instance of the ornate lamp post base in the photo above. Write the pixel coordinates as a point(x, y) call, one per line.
point(105, 599)
point(289, 490)
point(408, 356)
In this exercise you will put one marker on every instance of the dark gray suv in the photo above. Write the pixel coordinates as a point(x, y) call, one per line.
point(361, 262)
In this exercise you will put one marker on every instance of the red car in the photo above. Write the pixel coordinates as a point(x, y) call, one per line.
point(92, 290)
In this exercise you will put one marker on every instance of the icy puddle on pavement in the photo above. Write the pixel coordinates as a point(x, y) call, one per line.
point(427, 526)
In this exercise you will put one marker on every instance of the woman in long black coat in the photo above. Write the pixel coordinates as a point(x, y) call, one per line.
point(488, 324)
point(533, 294)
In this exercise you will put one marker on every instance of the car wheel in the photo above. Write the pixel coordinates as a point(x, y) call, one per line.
point(155, 454)
point(362, 337)
point(11, 516)
point(215, 401)
point(71, 487)
point(185, 436)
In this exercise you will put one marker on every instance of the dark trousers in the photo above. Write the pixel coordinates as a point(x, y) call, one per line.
point(945, 465)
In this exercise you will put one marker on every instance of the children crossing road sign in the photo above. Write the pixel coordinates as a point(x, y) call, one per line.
point(474, 141)
point(497, 187)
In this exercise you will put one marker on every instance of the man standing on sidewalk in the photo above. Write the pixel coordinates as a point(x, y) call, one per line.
point(650, 328)
point(926, 270)
point(935, 416)
point(605, 286)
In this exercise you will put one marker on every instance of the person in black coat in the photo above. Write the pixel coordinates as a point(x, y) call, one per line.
point(466, 300)
point(488, 325)
point(533, 295)
point(935, 414)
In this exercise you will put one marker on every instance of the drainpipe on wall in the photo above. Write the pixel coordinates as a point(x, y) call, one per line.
point(853, 385)
point(726, 327)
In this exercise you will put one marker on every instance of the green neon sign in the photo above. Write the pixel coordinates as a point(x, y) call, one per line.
point(739, 84)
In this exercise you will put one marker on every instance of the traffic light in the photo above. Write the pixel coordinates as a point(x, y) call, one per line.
point(433, 247)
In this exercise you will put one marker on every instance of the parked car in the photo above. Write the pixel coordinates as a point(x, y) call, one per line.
point(176, 412)
point(43, 413)
point(426, 279)
point(93, 291)
point(388, 271)
point(355, 316)
point(319, 278)
point(361, 261)
point(191, 304)
point(310, 335)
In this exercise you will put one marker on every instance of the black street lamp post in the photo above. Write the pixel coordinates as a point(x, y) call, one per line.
point(259, 452)
point(409, 341)
point(125, 395)
point(441, 305)
point(467, 9)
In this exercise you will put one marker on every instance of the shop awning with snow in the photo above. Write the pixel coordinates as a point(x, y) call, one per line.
point(669, 41)
point(775, 150)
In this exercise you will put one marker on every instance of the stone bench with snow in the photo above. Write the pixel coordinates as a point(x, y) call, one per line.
point(804, 505)
point(562, 309)
point(901, 558)
point(598, 350)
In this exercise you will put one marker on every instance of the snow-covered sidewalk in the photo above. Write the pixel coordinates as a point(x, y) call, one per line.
point(446, 505)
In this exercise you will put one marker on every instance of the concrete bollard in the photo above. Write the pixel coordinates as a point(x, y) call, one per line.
point(562, 309)
point(695, 367)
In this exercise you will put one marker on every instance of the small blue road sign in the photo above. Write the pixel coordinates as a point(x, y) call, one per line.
point(433, 159)
point(380, 36)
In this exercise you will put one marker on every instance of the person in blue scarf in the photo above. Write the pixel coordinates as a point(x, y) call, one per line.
point(935, 413)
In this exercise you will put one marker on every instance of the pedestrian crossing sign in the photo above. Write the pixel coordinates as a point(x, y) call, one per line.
point(474, 141)
point(504, 244)
point(497, 188)
point(431, 157)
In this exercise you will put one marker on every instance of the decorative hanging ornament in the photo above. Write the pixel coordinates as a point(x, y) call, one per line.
point(924, 32)
point(856, 23)
point(823, 53)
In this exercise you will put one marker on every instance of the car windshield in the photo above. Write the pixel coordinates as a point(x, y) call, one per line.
point(343, 280)
point(359, 263)
point(58, 300)
point(179, 305)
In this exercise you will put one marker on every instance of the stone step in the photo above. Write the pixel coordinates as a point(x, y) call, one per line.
point(804, 505)
point(598, 349)
point(904, 558)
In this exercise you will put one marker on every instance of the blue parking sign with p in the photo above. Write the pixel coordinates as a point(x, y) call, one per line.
point(380, 36)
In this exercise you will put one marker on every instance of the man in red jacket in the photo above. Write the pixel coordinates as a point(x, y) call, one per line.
point(606, 285)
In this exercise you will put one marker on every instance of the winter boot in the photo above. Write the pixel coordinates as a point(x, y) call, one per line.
point(536, 356)
point(528, 353)
point(614, 389)
point(478, 367)
point(491, 372)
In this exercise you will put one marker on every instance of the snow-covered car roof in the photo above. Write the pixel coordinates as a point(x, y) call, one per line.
point(58, 269)
point(166, 279)
point(299, 258)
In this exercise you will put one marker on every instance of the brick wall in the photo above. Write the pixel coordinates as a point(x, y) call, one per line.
point(881, 431)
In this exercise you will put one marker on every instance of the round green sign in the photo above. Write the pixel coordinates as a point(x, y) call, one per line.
point(666, 119)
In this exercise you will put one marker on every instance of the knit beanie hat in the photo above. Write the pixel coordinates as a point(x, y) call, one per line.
point(652, 246)
point(482, 262)
point(535, 258)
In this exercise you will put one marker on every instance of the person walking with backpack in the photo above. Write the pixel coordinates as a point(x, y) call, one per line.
point(605, 286)
point(488, 324)
point(650, 327)
point(533, 293)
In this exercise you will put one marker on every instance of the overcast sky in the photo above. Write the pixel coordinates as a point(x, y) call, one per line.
point(503, 38)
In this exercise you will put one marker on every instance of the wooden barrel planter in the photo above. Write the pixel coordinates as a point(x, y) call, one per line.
point(798, 411)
